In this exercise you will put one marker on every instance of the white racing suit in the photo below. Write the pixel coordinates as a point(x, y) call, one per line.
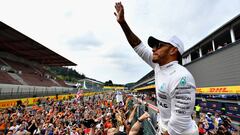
point(175, 92)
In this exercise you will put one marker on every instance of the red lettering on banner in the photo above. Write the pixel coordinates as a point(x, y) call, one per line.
point(220, 90)
point(35, 100)
point(200, 90)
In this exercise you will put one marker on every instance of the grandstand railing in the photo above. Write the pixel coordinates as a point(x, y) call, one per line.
point(8, 91)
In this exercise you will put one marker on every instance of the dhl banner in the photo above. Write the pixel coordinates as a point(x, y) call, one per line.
point(205, 90)
point(219, 90)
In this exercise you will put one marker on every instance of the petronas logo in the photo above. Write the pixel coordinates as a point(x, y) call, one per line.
point(183, 81)
point(162, 87)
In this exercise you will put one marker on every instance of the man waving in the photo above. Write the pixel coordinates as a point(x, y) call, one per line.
point(175, 86)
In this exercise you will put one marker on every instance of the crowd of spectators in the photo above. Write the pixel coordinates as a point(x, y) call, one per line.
point(220, 96)
point(93, 115)
point(216, 124)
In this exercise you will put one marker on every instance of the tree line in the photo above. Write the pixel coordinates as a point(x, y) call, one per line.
point(67, 74)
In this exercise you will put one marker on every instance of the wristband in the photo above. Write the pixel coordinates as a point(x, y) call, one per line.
point(139, 120)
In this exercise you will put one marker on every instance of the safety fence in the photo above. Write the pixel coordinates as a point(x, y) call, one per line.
point(148, 126)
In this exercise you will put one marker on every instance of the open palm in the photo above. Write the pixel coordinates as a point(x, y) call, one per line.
point(119, 12)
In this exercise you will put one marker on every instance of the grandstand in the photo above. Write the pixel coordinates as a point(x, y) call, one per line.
point(214, 63)
point(145, 80)
point(89, 84)
point(93, 85)
point(23, 64)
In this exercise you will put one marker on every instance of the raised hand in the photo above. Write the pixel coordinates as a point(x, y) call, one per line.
point(119, 12)
point(131, 37)
point(144, 116)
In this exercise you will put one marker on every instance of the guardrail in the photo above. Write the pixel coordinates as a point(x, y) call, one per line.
point(23, 91)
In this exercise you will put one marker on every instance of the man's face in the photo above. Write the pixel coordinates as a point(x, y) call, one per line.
point(161, 52)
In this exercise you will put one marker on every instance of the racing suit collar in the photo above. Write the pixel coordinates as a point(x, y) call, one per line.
point(168, 65)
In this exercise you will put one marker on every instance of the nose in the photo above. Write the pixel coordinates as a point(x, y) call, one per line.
point(154, 49)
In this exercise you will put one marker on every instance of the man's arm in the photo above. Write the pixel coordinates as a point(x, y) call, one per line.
point(182, 94)
point(131, 37)
point(133, 40)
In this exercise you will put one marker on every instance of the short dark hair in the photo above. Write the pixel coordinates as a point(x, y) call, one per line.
point(179, 58)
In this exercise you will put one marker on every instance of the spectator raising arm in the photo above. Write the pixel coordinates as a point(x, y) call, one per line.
point(137, 125)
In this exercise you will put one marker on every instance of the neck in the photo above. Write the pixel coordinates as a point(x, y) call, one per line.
point(161, 63)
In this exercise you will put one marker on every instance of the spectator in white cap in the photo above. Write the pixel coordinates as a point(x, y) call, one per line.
point(175, 86)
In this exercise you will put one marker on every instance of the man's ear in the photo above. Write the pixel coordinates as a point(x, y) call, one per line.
point(173, 51)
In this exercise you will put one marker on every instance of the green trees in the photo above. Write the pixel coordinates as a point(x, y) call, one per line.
point(67, 74)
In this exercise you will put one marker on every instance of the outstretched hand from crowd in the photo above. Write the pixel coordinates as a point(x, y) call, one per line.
point(144, 116)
